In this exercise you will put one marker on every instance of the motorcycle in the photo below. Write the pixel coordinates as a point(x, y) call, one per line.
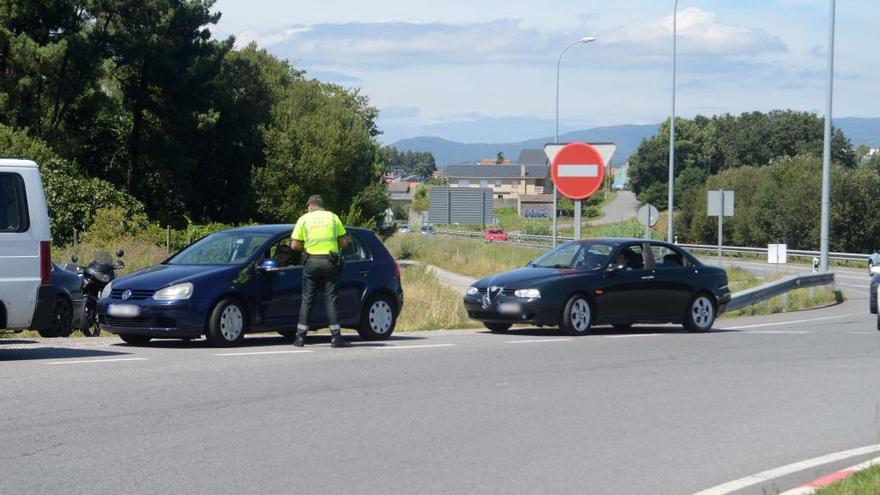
point(100, 272)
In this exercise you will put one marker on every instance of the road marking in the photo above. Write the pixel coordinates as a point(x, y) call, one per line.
point(792, 322)
point(89, 361)
point(780, 332)
point(779, 472)
point(425, 346)
point(633, 335)
point(535, 341)
point(261, 353)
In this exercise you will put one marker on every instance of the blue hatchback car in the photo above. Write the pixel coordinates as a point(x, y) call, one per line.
point(248, 280)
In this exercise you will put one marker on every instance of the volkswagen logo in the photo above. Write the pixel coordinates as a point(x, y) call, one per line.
point(126, 295)
point(491, 294)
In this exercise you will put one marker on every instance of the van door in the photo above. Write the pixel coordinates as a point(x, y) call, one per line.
point(19, 249)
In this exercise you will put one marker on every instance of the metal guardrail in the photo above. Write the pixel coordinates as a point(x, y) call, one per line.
point(777, 288)
point(546, 240)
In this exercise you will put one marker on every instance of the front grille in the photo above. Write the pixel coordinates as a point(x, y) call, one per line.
point(504, 292)
point(136, 295)
point(139, 322)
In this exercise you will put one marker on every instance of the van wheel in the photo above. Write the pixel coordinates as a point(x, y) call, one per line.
point(700, 314)
point(137, 340)
point(577, 318)
point(62, 320)
point(378, 318)
point(226, 326)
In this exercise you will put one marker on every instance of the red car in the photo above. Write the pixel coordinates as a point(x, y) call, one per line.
point(495, 234)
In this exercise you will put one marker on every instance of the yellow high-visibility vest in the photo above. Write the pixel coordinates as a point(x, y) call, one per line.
point(319, 232)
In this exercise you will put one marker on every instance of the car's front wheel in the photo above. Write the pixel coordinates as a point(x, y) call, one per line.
point(497, 327)
point(378, 318)
point(700, 314)
point(577, 317)
point(137, 340)
point(226, 326)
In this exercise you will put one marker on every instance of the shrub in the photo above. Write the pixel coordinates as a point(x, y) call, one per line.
point(535, 228)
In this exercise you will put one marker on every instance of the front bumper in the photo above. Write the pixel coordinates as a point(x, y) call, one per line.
point(158, 319)
point(532, 311)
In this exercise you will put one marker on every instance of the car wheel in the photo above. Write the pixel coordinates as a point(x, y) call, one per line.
point(136, 339)
point(378, 318)
point(577, 317)
point(62, 320)
point(700, 314)
point(497, 327)
point(226, 326)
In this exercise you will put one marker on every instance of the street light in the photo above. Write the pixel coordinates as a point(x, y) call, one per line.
point(585, 40)
point(826, 154)
point(670, 229)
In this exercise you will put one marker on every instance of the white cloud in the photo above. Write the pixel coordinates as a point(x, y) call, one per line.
point(700, 33)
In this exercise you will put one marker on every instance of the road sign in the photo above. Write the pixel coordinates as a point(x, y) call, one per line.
point(719, 201)
point(605, 149)
point(577, 171)
point(777, 254)
point(648, 215)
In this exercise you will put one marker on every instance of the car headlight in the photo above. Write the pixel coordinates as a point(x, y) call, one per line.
point(174, 292)
point(472, 291)
point(528, 293)
point(105, 292)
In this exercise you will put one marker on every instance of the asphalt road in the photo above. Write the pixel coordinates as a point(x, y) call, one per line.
point(652, 410)
point(622, 208)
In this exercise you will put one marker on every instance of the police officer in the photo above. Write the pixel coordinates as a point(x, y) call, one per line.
point(322, 236)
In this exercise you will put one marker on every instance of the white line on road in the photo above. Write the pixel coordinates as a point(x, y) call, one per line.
point(780, 332)
point(261, 353)
point(535, 341)
point(792, 322)
point(779, 472)
point(89, 361)
point(426, 346)
point(633, 335)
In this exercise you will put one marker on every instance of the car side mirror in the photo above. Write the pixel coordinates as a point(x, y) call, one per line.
point(529, 263)
point(268, 265)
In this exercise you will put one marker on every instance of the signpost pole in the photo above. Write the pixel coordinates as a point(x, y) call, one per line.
point(720, 224)
point(577, 220)
point(648, 227)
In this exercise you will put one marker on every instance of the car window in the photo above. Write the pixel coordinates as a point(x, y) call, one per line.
point(13, 204)
point(281, 252)
point(356, 251)
point(665, 257)
point(631, 256)
point(576, 255)
point(221, 248)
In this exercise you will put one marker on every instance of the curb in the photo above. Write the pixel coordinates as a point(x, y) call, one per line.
point(825, 481)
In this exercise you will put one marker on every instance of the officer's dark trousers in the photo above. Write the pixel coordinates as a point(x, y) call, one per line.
point(319, 273)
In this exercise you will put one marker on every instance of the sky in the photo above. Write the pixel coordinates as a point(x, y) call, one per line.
point(485, 70)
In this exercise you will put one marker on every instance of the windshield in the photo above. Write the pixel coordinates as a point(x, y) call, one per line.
point(103, 257)
point(221, 248)
point(586, 256)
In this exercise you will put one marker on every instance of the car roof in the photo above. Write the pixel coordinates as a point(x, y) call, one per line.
point(275, 229)
point(10, 162)
point(623, 240)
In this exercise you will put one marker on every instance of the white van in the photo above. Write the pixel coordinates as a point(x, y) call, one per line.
point(27, 298)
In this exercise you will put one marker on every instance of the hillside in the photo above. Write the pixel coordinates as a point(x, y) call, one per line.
point(627, 137)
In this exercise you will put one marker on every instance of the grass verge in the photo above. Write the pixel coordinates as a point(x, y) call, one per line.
point(865, 482)
point(429, 304)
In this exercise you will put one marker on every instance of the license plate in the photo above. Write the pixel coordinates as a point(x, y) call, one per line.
point(124, 310)
point(509, 308)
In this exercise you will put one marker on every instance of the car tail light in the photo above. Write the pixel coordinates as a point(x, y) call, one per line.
point(45, 263)
point(396, 270)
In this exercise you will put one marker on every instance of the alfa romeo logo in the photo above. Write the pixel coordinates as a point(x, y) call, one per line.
point(491, 294)
point(126, 295)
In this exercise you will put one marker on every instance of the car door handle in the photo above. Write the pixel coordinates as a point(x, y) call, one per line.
point(364, 272)
point(649, 277)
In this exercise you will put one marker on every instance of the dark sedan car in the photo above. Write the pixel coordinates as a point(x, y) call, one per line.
point(248, 280)
point(613, 281)
point(69, 303)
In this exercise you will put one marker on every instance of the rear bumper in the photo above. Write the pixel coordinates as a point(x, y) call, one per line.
point(45, 308)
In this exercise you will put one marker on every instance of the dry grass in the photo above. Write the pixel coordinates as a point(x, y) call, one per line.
point(467, 257)
point(429, 304)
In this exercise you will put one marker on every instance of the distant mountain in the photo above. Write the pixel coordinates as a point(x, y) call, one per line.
point(627, 137)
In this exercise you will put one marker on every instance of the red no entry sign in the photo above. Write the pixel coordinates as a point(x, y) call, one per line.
point(577, 171)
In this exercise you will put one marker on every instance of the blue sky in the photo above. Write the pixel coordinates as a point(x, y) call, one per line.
point(484, 70)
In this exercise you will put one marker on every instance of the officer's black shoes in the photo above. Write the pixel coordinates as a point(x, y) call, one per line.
point(299, 341)
point(339, 342)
